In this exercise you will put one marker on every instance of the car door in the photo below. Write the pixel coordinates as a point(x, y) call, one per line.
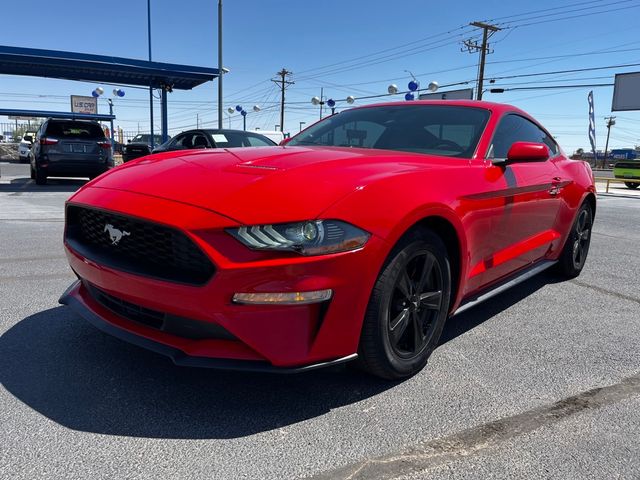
point(522, 230)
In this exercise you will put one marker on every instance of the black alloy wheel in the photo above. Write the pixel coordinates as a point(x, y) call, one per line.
point(632, 185)
point(575, 251)
point(415, 303)
point(408, 308)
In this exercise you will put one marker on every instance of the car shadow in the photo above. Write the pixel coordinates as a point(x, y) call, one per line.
point(65, 369)
point(83, 379)
point(25, 184)
point(468, 320)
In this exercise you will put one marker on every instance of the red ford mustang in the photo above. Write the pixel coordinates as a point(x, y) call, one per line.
point(359, 238)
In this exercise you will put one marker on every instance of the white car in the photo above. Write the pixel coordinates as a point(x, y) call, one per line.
point(24, 147)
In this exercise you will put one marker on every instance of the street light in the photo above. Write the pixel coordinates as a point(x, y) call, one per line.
point(117, 92)
point(302, 123)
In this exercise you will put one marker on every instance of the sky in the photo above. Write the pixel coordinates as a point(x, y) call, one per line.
point(345, 47)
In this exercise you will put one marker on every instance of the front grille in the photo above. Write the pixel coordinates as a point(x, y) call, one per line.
point(172, 324)
point(136, 246)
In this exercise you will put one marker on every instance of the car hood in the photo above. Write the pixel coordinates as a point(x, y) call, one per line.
point(259, 185)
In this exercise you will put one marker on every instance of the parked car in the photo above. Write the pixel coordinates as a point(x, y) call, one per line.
point(194, 139)
point(69, 148)
point(628, 169)
point(275, 135)
point(24, 147)
point(139, 146)
point(359, 238)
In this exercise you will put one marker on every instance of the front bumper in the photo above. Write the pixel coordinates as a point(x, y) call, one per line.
point(266, 336)
point(74, 299)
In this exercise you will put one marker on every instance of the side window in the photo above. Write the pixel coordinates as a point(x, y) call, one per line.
point(514, 128)
point(200, 141)
point(184, 141)
point(258, 142)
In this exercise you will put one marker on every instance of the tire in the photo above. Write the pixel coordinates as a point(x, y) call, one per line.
point(33, 173)
point(632, 186)
point(576, 248)
point(41, 177)
point(401, 330)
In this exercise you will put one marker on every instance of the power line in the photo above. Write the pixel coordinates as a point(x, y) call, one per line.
point(549, 13)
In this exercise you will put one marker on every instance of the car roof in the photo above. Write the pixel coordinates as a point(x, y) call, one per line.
point(228, 130)
point(495, 107)
point(72, 120)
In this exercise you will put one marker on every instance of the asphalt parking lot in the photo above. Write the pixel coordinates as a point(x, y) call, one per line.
point(540, 382)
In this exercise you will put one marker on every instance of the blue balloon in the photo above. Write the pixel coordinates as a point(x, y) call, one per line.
point(95, 94)
point(238, 108)
point(413, 85)
point(120, 92)
point(243, 113)
point(409, 96)
point(331, 102)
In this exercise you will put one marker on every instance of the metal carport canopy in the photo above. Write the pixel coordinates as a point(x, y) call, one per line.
point(48, 114)
point(86, 67)
point(98, 68)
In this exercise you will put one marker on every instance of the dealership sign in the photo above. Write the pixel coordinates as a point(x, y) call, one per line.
point(81, 104)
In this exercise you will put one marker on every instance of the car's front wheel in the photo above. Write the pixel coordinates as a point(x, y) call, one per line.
point(632, 185)
point(408, 307)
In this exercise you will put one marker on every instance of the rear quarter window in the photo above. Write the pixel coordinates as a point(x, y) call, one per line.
point(75, 130)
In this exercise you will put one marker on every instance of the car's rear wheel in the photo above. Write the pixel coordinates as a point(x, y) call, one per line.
point(631, 185)
point(408, 307)
point(41, 177)
point(576, 248)
point(33, 173)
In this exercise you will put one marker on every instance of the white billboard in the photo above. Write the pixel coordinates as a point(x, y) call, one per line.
point(81, 104)
point(626, 92)
point(463, 94)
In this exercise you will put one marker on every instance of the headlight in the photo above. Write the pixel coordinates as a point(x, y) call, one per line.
point(315, 237)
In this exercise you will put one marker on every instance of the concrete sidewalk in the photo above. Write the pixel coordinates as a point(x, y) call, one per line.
point(616, 188)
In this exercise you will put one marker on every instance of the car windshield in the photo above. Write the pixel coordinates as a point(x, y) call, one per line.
point(430, 129)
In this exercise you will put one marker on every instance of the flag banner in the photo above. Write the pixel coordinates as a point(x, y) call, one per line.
point(592, 124)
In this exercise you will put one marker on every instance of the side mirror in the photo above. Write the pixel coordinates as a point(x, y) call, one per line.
point(284, 141)
point(526, 152)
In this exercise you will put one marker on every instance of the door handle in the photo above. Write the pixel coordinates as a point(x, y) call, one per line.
point(557, 179)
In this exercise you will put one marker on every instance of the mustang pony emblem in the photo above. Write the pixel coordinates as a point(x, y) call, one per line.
point(114, 234)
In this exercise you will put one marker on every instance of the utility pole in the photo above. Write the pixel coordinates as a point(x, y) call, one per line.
point(283, 83)
point(610, 123)
point(150, 86)
point(220, 68)
point(472, 46)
